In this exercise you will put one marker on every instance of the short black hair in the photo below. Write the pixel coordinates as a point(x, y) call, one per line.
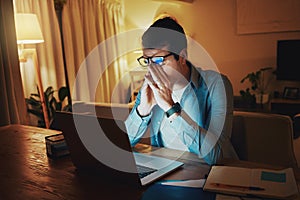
point(165, 32)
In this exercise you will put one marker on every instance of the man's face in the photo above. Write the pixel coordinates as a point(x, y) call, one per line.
point(170, 65)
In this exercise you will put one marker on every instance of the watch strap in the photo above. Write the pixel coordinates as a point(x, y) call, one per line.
point(176, 108)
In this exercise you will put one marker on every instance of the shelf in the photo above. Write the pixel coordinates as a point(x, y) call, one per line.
point(289, 107)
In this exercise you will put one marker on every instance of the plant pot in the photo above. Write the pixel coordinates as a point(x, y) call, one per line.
point(261, 98)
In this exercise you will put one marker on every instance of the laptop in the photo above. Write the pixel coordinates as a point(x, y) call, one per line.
point(110, 154)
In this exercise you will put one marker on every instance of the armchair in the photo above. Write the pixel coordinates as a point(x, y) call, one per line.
point(296, 125)
point(264, 138)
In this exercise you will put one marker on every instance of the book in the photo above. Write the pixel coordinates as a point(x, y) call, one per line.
point(280, 184)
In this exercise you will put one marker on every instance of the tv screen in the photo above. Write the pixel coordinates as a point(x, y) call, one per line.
point(288, 60)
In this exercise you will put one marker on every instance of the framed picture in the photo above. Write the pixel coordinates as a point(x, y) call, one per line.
point(291, 93)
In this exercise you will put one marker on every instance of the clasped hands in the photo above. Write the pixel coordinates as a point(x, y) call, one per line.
point(156, 90)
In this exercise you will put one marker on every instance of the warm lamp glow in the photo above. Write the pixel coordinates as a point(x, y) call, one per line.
point(28, 29)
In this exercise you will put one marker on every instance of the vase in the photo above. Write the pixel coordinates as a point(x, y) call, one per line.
point(261, 98)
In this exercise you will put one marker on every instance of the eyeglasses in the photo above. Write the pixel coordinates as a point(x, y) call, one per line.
point(145, 62)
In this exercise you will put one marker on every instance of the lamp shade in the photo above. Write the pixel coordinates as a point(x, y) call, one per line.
point(28, 29)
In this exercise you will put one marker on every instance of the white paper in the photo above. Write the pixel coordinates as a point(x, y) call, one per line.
point(187, 183)
point(246, 177)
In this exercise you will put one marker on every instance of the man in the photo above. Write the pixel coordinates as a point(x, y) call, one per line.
point(186, 108)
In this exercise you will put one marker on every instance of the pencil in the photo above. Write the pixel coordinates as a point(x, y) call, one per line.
point(254, 188)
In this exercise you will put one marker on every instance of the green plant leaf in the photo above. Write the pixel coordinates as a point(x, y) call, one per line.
point(33, 102)
point(36, 98)
point(266, 68)
point(48, 91)
point(53, 104)
point(67, 108)
point(52, 109)
point(52, 112)
point(245, 78)
point(62, 93)
point(37, 113)
point(35, 95)
point(59, 105)
point(257, 80)
point(50, 96)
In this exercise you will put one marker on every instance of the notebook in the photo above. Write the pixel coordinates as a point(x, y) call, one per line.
point(258, 182)
point(109, 155)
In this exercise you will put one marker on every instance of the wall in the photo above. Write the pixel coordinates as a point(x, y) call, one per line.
point(213, 25)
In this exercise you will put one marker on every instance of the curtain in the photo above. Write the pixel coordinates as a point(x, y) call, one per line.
point(86, 25)
point(49, 53)
point(12, 101)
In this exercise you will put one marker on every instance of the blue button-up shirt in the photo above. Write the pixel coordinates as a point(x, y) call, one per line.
point(204, 125)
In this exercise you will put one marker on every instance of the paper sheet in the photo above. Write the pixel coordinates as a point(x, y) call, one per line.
point(186, 183)
point(239, 181)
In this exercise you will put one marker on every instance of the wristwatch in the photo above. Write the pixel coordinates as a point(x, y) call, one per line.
point(176, 108)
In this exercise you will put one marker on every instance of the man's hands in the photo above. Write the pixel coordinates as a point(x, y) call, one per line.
point(155, 90)
point(147, 99)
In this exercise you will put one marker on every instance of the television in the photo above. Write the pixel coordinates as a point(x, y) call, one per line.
point(288, 60)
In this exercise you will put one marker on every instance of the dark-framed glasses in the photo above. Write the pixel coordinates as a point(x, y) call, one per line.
point(146, 61)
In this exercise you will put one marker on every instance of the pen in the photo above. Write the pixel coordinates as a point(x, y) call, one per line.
point(238, 187)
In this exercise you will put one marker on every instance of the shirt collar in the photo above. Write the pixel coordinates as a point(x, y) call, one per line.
point(195, 76)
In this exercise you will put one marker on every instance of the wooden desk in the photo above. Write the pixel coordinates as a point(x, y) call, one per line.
point(27, 173)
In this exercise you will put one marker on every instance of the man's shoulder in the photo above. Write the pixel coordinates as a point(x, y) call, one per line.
point(208, 72)
point(210, 75)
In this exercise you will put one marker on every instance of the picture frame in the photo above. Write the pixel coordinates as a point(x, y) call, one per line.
point(291, 93)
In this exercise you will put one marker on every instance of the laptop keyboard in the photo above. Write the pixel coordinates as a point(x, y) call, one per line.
point(144, 171)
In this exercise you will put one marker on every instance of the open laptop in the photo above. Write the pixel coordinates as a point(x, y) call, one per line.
point(144, 168)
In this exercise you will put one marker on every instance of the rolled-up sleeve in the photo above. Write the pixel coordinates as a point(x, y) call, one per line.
point(136, 125)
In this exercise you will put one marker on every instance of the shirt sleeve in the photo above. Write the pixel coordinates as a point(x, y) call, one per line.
point(219, 131)
point(136, 125)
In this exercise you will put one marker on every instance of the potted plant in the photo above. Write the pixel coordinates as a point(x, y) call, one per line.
point(259, 86)
point(34, 104)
